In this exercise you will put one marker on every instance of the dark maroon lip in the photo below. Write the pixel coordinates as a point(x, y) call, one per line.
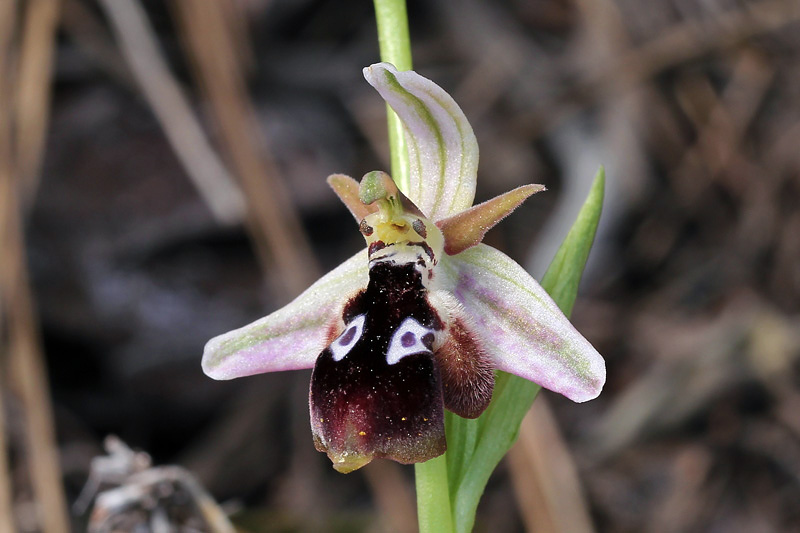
point(382, 396)
point(362, 406)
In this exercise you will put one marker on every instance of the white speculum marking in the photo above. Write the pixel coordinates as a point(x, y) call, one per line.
point(409, 338)
point(345, 342)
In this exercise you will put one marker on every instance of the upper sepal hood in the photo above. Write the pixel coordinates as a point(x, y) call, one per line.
point(442, 149)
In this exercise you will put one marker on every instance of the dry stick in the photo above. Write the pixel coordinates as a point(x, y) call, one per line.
point(545, 478)
point(215, 517)
point(235, 16)
point(26, 362)
point(271, 225)
point(6, 509)
point(32, 104)
point(27, 368)
point(273, 221)
point(6, 490)
point(690, 39)
point(236, 424)
point(172, 110)
point(275, 229)
point(274, 224)
point(7, 26)
point(7, 16)
point(497, 42)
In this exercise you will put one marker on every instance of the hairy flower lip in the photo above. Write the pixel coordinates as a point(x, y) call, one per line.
point(484, 298)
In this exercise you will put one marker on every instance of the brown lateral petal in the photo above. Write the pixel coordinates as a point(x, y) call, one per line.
point(467, 228)
point(346, 188)
point(467, 376)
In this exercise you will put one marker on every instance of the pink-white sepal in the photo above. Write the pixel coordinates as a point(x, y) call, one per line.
point(292, 337)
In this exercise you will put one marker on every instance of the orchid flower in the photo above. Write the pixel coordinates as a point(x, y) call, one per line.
point(416, 322)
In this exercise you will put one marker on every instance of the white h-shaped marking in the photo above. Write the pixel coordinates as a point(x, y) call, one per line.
point(407, 340)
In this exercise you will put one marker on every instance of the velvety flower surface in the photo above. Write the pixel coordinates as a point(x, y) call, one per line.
point(418, 321)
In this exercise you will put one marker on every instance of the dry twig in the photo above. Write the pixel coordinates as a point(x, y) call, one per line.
point(545, 478)
point(274, 223)
point(7, 16)
point(19, 161)
point(27, 366)
point(32, 98)
point(138, 44)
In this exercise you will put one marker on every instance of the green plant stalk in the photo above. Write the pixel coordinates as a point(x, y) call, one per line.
point(395, 48)
point(433, 496)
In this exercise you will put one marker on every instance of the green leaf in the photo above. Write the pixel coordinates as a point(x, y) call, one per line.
point(475, 447)
point(564, 273)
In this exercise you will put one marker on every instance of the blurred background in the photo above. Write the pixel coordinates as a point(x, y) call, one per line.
point(162, 170)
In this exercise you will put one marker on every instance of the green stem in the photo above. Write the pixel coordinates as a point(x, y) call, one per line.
point(433, 496)
point(395, 47)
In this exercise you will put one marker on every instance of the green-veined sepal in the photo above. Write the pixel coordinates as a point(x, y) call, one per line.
point(523, 330)
point(292, 337)
point(442, 149)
